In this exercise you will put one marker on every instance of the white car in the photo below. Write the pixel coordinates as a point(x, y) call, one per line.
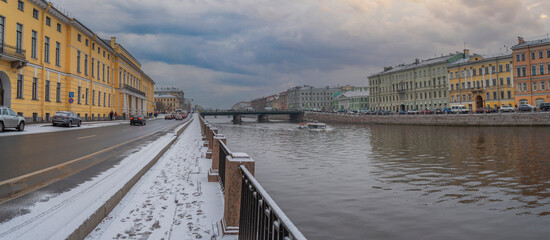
point(459, 109)
point(9, 119)
point(507, 109)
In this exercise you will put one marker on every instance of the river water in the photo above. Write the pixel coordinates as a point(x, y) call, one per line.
point(403, 182)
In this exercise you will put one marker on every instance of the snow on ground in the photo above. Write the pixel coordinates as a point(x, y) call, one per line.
point(173, 200)
point(57, 216)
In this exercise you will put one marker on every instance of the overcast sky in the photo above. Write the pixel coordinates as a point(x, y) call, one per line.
point(224, 51)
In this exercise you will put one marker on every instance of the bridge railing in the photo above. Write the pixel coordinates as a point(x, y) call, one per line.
point(249, 211)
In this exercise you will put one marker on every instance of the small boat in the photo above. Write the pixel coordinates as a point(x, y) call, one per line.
point(313, 126)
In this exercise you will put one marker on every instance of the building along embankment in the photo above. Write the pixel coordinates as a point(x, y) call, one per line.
point(494, 119)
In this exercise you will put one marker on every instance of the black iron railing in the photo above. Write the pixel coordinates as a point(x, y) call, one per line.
point(12, 51)
point(134, 90)
point(260, 217)
point(224, 152)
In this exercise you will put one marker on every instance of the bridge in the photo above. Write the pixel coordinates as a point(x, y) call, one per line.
point(295, 115)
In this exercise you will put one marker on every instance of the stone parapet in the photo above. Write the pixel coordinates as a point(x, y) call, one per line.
point(494, 119)
point(232, 193)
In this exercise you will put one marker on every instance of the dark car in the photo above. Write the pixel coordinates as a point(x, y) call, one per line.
point(447, 111)
point(169, 117)
point(438, 111)
point(426, 111)
point(526, 108)
point(545, 106)
point(485, 110)
point(65, 118)
point(138, 119)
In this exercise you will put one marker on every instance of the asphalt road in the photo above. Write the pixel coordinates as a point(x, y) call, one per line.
point(20, 155)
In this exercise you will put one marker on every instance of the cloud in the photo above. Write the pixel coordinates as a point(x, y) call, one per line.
point(222, 52)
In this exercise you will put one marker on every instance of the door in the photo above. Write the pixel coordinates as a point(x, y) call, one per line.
point(1, 94)
point(479, 102)
point(11, 119)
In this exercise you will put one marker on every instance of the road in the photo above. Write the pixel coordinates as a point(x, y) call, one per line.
point(26, 154)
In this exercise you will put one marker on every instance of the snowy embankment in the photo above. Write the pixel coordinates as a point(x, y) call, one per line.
point(58, 216)
point(173, 200)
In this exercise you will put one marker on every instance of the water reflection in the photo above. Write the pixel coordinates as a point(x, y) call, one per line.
point(403, 182)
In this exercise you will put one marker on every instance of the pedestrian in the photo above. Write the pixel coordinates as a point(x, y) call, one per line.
point(124, 115)
point(116, 115)
point(111, 115)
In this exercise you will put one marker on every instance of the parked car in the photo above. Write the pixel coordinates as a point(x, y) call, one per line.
point(179, 117)
point(138, 119)
point(485, 110)
point(438, 111)
point(526, 108)
point(65, 118)
point(412, 111)
point(447, 110)
point(402, 112)
point(168, 117)
point(459, 109)
point(507, 109)
point(9, 119)
point(545, 106)
point(426, 111)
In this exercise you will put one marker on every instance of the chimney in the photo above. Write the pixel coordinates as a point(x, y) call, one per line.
point(521, 40)
point(466, 53)
point(113, 41)
point(417, 61)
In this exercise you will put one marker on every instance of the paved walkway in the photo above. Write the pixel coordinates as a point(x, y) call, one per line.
point(173, 200)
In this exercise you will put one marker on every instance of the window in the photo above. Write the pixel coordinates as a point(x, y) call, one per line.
point(534, 86)
point(92, 67)
point(540, 55)
point(19, 38)
point(108, 74)
point(79, 37)
point(109, 100)
point(35, 89)
point(524, 71)
point(508, 82)
point(87, 42)
point(499, 68)
point(47, 49)
point(98, 70)
point(21, 5)
point(93, 97)
point(488, 96)
point(493, 69)
point(78, 61)
point(533, 70)
point(98, 50)
point(48, 21)
point(487, 83)
point(87, 91)
point(501, 94)
point(509, 93)
point(541, 69)
point(85, 64)
point(507, 67)
point(103, 76)
point(548, 53)
point(93, 46)
point(104, 97)
point(57, 54)
point(494, 95)
point(517, 57)
point(47, 91)
point(35, 13)
point(99, 98)
point(34, 37)
point(59, 27)
point(519, 87)
point(58, 93)
point(19, 86)
point(542, 85)
point(523, 57)
point(532, 55)
point(501, 81)
point(79, 98)
point(494, 82)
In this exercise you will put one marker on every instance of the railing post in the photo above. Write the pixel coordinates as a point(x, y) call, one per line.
point(210, 138)
point(233, 185)
point(213, 173)
point(206, 134)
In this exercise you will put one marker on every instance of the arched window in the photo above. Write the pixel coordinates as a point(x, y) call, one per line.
point(523, 101)
point(538, 101)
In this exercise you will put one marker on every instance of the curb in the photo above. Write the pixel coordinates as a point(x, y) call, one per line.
point(92, 221)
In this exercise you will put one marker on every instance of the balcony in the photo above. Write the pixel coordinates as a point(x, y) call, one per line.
point(134, 90)
point(401, 91)
point(16, 56)
point(478, 90)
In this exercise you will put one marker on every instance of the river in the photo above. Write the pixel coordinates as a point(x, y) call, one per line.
point(403, 182)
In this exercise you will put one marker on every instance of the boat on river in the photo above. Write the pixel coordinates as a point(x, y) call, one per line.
point(316, 126)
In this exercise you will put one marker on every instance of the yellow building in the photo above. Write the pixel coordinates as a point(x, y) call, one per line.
point(51, 62)
point(169, 103)
point(477, 81)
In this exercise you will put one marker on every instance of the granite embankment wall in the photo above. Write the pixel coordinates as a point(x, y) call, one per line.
point(495, 119)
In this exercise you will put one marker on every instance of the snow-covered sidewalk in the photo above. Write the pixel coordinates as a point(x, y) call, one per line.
point(173, 200)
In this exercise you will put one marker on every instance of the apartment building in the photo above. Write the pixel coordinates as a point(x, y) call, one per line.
point(531, 60)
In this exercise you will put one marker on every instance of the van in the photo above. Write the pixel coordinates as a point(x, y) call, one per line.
point(459, 109)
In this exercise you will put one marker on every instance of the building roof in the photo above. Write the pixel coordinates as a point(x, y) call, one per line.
point(486, 58)
point(417, 64)
point(534, 43)
point(165, 96)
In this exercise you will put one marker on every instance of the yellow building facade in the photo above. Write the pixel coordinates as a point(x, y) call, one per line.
point(477, 82)
point(51, 62)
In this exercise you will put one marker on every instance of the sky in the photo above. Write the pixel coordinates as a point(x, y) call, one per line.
point(220, 52)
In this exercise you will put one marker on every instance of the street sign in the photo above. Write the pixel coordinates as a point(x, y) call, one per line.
point(71, 94)
point(71, 100)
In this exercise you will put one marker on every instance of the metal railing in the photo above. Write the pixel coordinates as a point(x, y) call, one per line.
point(12, 51)
point(261, 218)
point(223, 153)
